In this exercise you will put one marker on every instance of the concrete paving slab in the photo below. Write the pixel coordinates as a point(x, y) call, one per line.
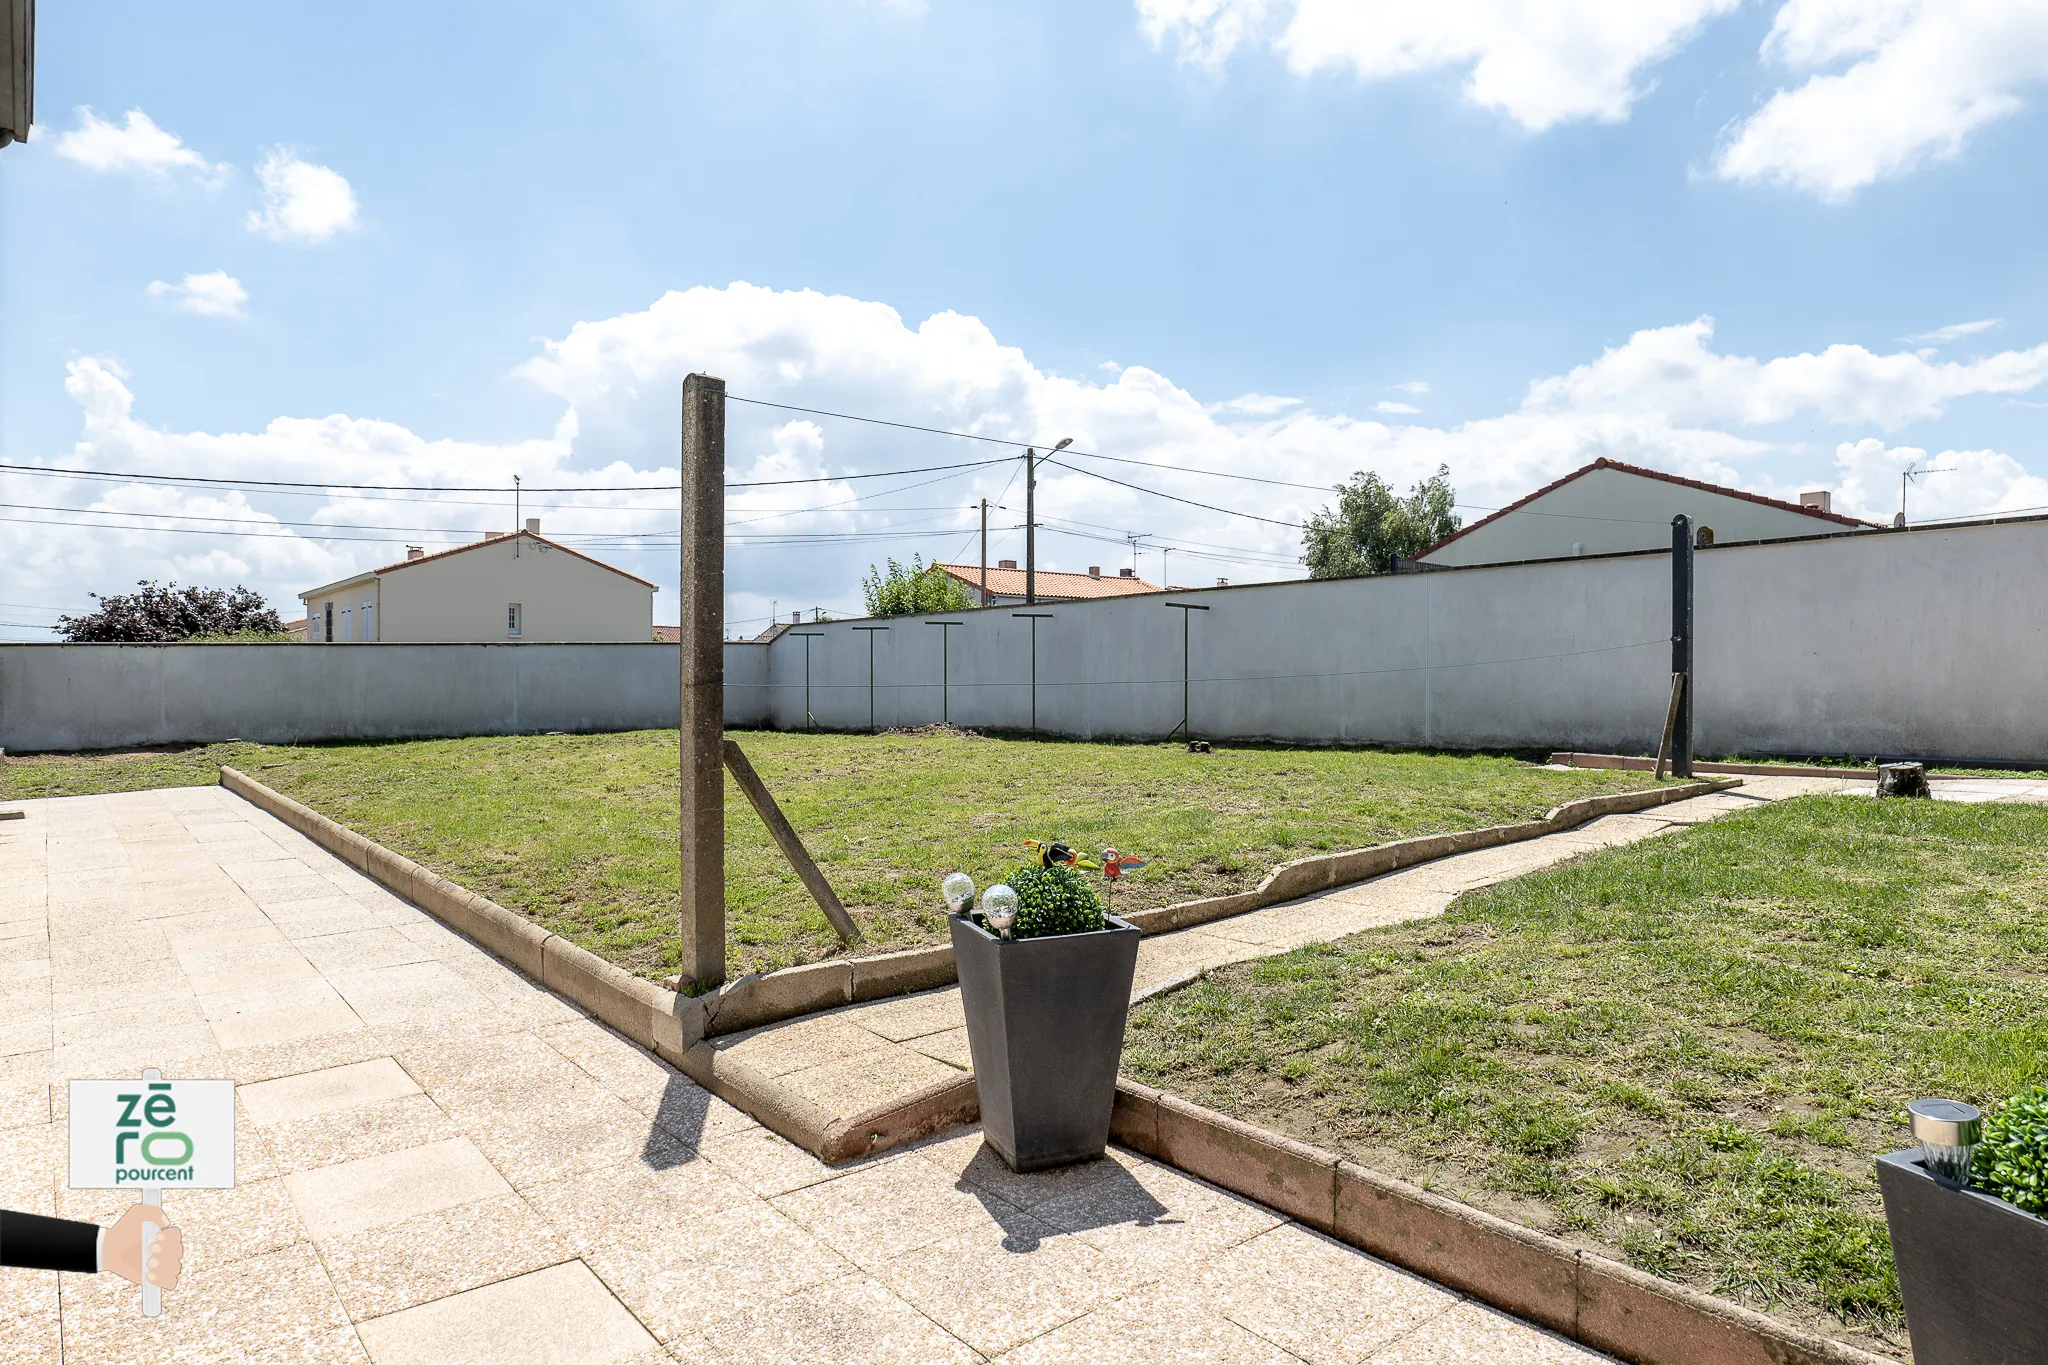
point(378, 1191)
point(312, 1093)
point(559, 1316)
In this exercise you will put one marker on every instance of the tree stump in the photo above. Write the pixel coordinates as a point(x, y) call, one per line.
point(1902, 779)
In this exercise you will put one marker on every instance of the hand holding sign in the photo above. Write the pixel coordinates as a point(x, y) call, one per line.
point(122, 1251)
point(148, 1134)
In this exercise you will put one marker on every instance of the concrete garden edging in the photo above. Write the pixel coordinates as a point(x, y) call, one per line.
point(753, 1001)
point(1574, 1292)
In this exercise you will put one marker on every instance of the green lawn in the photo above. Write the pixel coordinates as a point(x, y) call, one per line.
point(1686, 1052)
point(579, 831)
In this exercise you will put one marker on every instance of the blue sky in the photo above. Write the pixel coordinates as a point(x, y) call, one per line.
point(1232, 234)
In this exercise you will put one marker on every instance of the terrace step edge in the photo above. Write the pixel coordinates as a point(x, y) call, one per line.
point(1577, 1293)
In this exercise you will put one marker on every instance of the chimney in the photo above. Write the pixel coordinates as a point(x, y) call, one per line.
point(415, 552)
point(1126, 573)
point(533, 526)
point(1095, 571)
point(496, 535)
point(796, 618)
point(1821, 501)
point(1006, 563)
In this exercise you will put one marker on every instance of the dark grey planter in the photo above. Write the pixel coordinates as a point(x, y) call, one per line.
point(1972, 1268)
point(1045, 1025)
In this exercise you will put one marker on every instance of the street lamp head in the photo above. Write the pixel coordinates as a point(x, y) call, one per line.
point(1065, 441)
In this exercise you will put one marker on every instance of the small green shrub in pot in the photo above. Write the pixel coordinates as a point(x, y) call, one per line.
point(2012, 1158)
point(1055, 900)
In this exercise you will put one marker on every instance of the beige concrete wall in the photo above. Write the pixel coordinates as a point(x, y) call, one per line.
point(462, 598)
point(349, 616)
point(1609, 511)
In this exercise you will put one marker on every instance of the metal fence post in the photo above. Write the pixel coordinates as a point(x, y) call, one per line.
point(701, 831)
point(810, 721)
point(945, 669)
point(870, 632)
point(1681, 642)
point(1034, 617)
point(1182, 729)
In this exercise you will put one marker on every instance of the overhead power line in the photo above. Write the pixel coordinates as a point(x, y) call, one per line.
point(1153, 492)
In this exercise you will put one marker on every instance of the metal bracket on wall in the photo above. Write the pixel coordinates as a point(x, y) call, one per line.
point(792, 847)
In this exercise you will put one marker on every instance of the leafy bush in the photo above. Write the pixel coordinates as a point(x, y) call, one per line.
point(1055, 900)
point(158, 614)
point(2012, 1160)
point(907, 591)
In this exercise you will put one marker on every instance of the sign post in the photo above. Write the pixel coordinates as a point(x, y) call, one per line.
point(148, 1134)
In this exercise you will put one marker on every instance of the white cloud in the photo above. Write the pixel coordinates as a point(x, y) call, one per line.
point(1664, 398)
point(1540, 64)
point(1416, 387)
point(1955, 483)
point(302, 201)
point(1892, 86)
point(1396, 409)
point(1671, 371)
point(1955, 331)
point(136, 145)
point(215, 294)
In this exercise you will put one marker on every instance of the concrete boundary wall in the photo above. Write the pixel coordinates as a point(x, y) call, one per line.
point(1931, 642)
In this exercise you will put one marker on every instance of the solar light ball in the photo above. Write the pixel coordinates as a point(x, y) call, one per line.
point(999, 908)
point(958, 889)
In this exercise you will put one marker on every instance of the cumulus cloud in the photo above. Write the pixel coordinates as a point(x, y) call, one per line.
point(1953, 483)
point(1890, 86)
point(1396, 409)
point(136, 146)
point(1672, 371)
point(1540, 65)
point(215, 294)
point(1664, 398)
point(1415, 387)
point(301, 201)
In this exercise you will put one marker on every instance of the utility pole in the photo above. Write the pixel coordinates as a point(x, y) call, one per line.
point(1031, 518)
point(1031, 532)
point(702, 818)
point(1185, 607)
point(1164, 581)
point(518, 525)
point(945, 669)
point(1034, 617)
point(870, 632)
point(984, 554)
point(1135, 538)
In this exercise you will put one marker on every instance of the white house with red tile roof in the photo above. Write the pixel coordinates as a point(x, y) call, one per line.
point(516, 588)
point(1005, 586)
point(1608, 507)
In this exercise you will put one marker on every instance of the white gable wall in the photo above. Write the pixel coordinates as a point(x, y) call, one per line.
point(1610, 510)
point(462, 599)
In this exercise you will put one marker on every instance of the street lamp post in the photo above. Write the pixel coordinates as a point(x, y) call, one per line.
point(1031, 518)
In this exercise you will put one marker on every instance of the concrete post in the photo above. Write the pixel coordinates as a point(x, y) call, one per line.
point(1031, 530)
point(702, 828)
point(1681, 642)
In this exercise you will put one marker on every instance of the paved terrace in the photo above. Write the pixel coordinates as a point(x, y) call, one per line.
point(441, 1162)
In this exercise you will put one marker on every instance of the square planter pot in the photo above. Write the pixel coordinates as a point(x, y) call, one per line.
point(1972, 1268)
point(1045, 1025)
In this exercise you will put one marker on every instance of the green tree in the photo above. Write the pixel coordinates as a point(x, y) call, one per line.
point(1369, 527)
point(159, 614)
point(920, 588)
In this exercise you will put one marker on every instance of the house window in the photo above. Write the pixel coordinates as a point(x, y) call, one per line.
point(369, 621)
point(327, 625)
point(344, 625)
point(512, 622)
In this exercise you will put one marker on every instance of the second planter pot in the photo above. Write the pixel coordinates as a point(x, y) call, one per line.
point(1045, 1025)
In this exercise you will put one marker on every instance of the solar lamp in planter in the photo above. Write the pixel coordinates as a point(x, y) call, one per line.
point(1045, 1007)
point(1971, 1265)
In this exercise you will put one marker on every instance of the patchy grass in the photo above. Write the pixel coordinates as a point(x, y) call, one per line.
point(1685, 1051)
point(579, 831)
